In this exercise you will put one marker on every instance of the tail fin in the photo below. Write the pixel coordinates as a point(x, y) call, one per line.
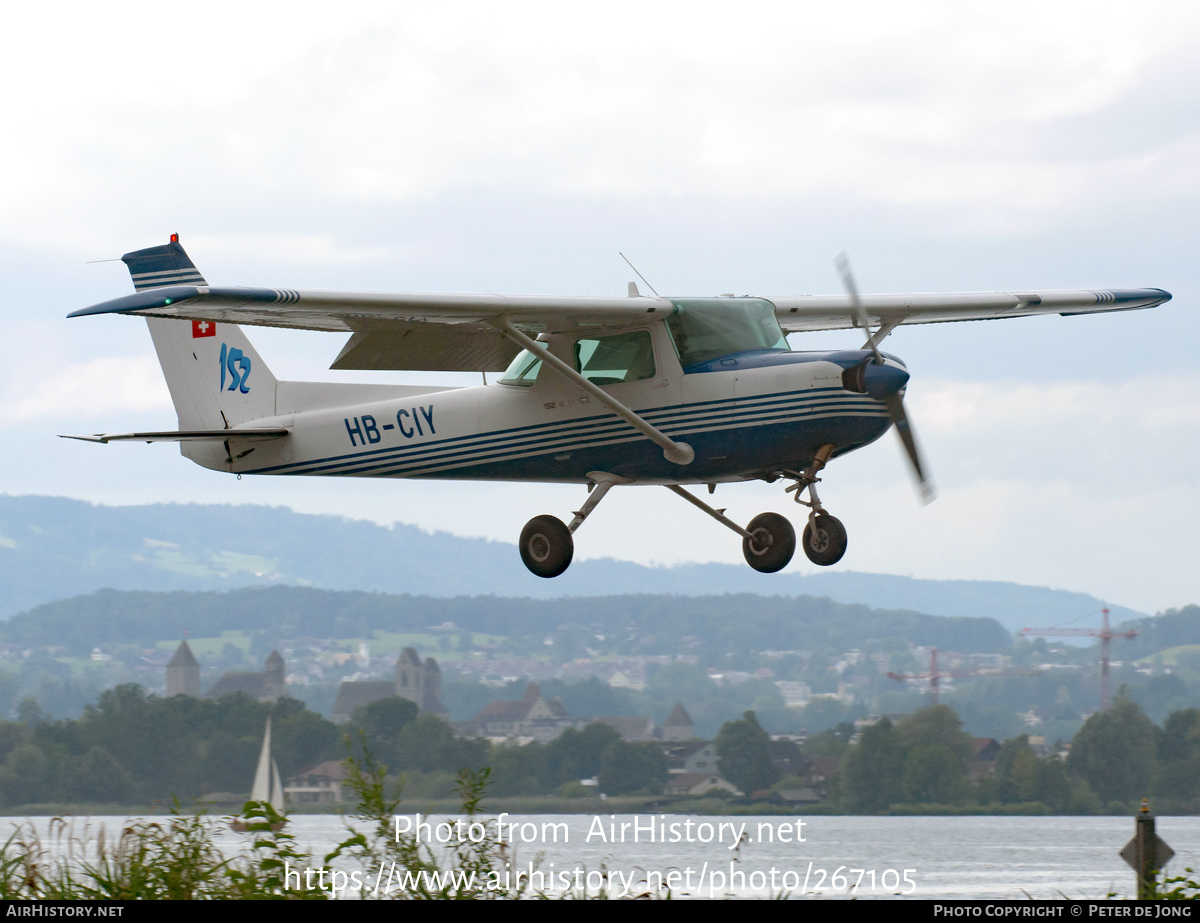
point(155, 267)
point(216, 378)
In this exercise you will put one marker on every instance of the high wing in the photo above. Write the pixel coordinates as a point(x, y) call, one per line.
point(460, 332)
point(798, 313)
point(430, 332)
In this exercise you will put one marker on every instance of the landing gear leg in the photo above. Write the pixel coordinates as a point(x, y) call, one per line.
point(768, 543)
point(824, 538)
point(546, 544)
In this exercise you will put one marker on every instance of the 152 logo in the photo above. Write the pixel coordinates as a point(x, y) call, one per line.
point(237, 364)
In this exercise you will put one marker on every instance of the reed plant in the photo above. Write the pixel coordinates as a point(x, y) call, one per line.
point(173, 859)
point(178, 858)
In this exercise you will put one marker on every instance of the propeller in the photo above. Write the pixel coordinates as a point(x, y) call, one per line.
point(860, 312)
point(889, 384)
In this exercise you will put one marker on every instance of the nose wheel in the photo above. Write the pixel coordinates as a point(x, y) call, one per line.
point(824, 539)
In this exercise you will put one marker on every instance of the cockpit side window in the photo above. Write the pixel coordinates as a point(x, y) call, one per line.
point(614, 359)
point(704, 329)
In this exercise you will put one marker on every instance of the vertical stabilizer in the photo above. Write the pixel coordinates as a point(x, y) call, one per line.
point(216, 378)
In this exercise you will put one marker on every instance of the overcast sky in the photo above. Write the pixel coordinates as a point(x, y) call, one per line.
point(948, 146)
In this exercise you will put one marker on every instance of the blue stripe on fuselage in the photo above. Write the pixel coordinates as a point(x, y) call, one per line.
point(731, 436)
point(687, 418)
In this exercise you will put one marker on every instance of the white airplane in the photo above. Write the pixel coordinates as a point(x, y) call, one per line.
point(602, 391)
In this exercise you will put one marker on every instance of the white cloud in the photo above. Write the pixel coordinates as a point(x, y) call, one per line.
point(99, 390)
point(970, 112)
point(1120, 432)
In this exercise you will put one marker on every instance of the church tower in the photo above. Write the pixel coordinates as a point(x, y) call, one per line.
point(183, 672)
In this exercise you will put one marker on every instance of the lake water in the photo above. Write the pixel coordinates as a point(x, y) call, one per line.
point(886, 857)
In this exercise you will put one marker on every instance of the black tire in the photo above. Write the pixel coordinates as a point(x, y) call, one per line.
point(546, 546)
point(826, 544)
point(774, 544)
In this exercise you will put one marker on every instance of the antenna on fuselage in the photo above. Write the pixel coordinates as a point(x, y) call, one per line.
point(639, 275)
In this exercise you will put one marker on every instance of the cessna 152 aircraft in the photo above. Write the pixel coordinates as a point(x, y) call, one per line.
point(602, 391)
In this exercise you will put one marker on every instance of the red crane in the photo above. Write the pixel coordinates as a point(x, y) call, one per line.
point(934, 675)
point(1105, 634)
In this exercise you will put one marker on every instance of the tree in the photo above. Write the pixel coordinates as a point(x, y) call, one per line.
point(937, 726)
point(517, 770)
point(933, 775)
point(1178, 774)
point(1016, 771)
point(1114, 752)
point(382, 721)
point(428, 744)
point(744, 754)
point(629, 767)
point(871, 771)
point(1053, 786)
point(576, 755)
point(23, 776)
point(100, 778)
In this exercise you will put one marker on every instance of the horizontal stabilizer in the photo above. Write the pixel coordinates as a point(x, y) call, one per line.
point(203, 435)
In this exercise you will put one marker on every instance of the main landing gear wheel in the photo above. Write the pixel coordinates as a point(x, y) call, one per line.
point(826, 543)
point(773, 544)
point(546, 546)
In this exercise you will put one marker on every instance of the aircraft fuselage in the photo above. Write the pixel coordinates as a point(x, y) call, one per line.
point(746, 416)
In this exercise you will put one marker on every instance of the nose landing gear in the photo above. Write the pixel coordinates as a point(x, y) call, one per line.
point(824, 539)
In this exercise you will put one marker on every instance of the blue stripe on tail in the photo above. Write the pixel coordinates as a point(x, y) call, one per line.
point(156, 267)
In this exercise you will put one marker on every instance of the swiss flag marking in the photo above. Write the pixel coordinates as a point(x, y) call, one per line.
point(203, 328)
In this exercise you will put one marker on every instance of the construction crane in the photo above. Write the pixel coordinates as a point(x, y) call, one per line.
point(934, 675)
point(1105, 634)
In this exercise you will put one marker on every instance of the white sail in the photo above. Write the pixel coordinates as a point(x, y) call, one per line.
point(261, 790)
point(276, 788)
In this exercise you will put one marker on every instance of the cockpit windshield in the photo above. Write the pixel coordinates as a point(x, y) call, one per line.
point(709, 328)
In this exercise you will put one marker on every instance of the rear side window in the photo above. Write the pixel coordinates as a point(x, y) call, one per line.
point(523, 371)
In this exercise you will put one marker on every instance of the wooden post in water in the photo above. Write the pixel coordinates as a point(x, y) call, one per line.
point(1146, 853)
point(1147, 868)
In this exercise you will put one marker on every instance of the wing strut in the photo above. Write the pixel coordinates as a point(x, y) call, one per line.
point(678, 452)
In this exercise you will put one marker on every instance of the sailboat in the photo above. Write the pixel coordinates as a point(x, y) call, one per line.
point(267, 785)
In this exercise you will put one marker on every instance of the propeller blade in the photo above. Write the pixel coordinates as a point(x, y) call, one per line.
point(894, 402)
point(860, 313)
point(895, 409)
